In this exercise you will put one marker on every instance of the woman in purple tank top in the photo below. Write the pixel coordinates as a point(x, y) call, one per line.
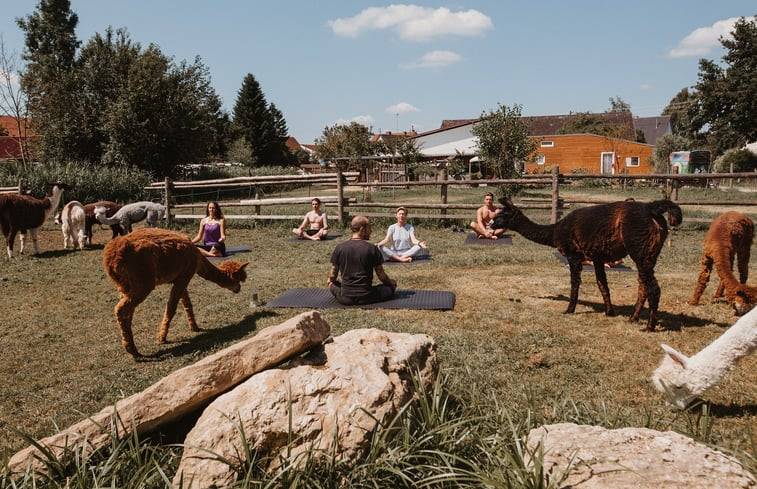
point(212, 231)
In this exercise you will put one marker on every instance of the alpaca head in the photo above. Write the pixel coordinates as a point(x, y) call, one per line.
point(236, 272)
point(744, 299)
point(506, 215)
point(672, 378)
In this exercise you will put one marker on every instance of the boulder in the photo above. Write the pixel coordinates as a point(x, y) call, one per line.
point(634, 458)
point(186, 389)
point(327, 403)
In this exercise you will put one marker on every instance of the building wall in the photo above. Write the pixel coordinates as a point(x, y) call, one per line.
point(584, 151)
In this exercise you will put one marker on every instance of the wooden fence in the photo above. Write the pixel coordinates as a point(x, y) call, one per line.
point(346, 207)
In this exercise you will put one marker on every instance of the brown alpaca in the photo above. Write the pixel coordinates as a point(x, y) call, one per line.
point(110, 209)
point(730, 236)
point(145, 258)
point(603, 234)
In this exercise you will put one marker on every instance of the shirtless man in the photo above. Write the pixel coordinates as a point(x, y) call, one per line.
point(484, 216)
point(319, 224)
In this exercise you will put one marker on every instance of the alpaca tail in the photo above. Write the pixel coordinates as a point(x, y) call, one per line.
point(660, 207)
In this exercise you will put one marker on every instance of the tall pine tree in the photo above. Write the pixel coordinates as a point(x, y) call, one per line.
point(50, 52)
point(255, 123)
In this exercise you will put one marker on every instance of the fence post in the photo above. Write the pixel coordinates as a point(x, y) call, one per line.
point(555, 192)
point(443, 189)
point(339, 196)
point(167, 201)
point(20, 185)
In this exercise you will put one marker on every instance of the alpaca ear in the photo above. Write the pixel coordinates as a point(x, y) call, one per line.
point(675, 355)
point(244, 265)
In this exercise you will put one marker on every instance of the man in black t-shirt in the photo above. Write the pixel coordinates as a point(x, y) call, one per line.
point(356, 260)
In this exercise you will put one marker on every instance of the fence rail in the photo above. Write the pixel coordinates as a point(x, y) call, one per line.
point(350, 207)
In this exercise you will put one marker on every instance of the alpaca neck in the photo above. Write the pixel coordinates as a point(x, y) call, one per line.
point(208, 271)
point(54, 201)
point(538, 233)
point(716, 359)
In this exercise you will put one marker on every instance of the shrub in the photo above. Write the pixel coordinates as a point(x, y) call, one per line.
point(88, 182)
point(742, 160)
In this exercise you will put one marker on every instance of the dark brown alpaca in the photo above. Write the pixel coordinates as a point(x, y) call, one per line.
point(604, 233)
point(145, 258)
point(730, 236)
point(91, 220)
point(22, 213)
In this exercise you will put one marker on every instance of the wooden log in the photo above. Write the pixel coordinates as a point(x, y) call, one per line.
point(182, 391)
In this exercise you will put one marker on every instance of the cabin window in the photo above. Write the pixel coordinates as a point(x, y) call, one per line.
point(632, 161)
point(547, 144)
point(541, 159)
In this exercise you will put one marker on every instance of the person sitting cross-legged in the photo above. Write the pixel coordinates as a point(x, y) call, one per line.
point(403, 243)
point(319, 223)
point(357, 260)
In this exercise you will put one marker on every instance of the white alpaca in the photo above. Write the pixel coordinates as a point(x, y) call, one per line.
point(22, 213)
point(682, 378)
point(131, 213)
point(72, 220)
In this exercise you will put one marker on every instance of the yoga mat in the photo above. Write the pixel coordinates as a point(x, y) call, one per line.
point(504, 239)
point(590, 268)
point(230, 250)
point(328, 237)
point(421, 258)
point(402, 299)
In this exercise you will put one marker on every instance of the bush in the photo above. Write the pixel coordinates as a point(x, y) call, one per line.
point(87, 182)
point(743, 160)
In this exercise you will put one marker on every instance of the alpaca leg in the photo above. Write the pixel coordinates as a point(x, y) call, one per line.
point(125, 315)
point(575, 282)
point(9, 242)
point(652, 292)
point(177, 291)
point(704, 277)
point(33, 232)
point(187, 304)
point(599, 272)
point(743, 259)
point(22, 239)
point(641, 298)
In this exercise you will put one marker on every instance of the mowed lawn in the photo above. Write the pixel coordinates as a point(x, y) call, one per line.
point(507, 337)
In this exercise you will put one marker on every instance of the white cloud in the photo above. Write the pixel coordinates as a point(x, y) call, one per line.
point(402, 108)
point(433, 59)
point(365, 120)
point(645, 86)
point(702, 40)
point(413, 22)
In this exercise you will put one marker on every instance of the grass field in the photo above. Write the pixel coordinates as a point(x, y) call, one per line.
point(506, 339)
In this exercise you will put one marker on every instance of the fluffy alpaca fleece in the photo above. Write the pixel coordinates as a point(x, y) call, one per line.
point(110, 209)
point(603, 234)
point(132, 213)
point(22, 213)
point(139, 261)
point(71, 220)
point(683, 379)
point(730, 236)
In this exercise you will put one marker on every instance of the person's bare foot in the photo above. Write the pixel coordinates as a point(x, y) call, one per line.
point(406, 259)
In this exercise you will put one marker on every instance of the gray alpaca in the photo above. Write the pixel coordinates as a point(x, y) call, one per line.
point(131, 213)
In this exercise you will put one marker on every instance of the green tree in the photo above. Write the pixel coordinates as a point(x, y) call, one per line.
point(679, 110)
point(101, 76)
point(164, 115)
point(50, 53)
point(740, 160)
point(254, 121)
point(727, 96)
point(665, 145)
point(503, 141)
point(617, 104)
point(346, 145)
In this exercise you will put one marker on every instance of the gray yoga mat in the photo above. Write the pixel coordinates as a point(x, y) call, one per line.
point(504, 239)
point(402, 299)
point(329, 237)
point(230, 250)
point(590, 268)
point(420, 259)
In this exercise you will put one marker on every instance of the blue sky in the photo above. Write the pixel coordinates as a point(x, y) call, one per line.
point(397, 67)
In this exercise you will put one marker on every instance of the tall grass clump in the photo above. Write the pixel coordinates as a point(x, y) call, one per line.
point(88, 182)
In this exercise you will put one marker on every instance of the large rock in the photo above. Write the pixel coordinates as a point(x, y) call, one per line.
point(634, 458)
point(186, 389)
point(335, 399)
